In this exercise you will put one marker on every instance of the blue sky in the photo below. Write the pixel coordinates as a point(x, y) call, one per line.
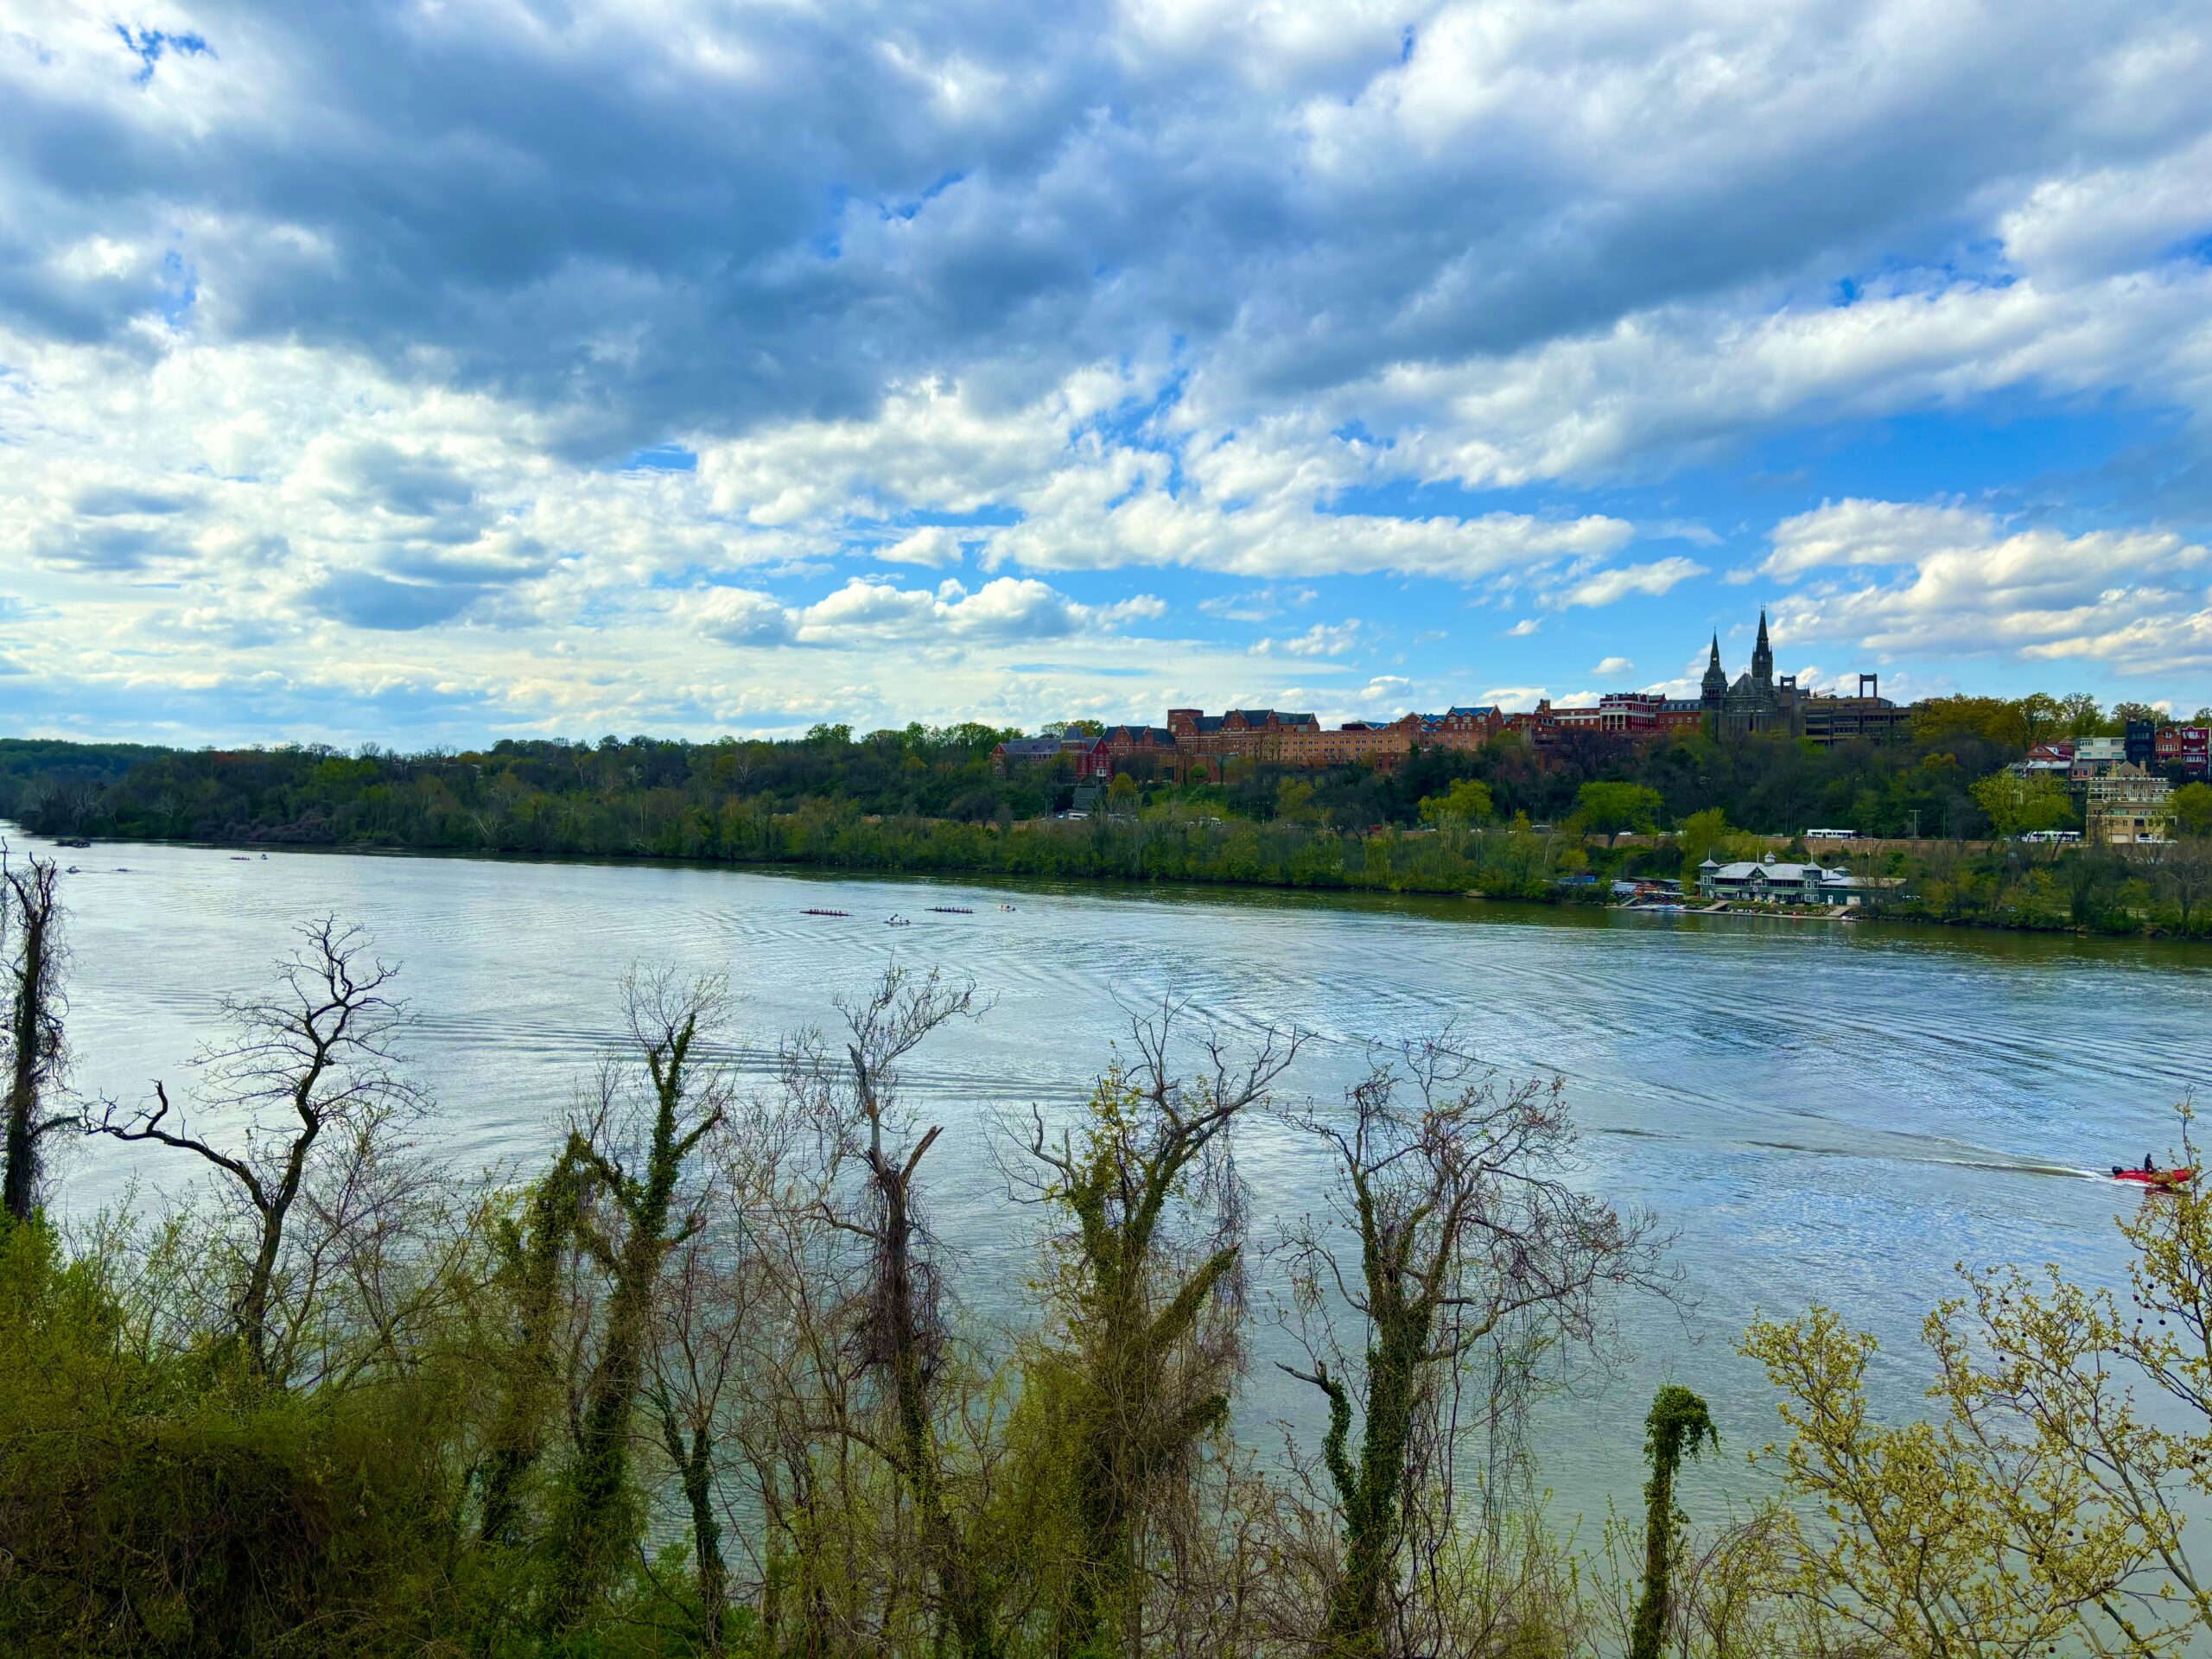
point(426, 373)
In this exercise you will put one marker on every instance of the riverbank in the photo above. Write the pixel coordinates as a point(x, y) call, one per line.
point(1999, 887)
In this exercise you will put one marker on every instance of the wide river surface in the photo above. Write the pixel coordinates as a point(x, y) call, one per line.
point(1815, 1111)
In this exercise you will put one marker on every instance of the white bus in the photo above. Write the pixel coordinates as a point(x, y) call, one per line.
point(1831, 834)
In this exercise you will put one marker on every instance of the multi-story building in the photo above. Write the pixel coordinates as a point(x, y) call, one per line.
point(1626, 714)
point(1468, 728)
point(2126, 805)
point(2095, 757)
point(1145, 751)
point(1083, 755)
point(1868, 717)
point(2047, 760)
point(2188, 747)
point(1357, 742)
point(1199, 734)
point(1757, 701)
point(2142, 742)
point(1270, 736)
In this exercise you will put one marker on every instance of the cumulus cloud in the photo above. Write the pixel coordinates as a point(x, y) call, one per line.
point(1607, 587)
point(1322, 639)
point(864, 613)
point(2131, 599)
point(300, 332)
point(1613, 665)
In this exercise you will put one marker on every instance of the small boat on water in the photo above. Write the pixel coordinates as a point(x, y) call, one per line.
point(2167, 1179)
point(950, 909)
point(825, 913)
point(73, 840)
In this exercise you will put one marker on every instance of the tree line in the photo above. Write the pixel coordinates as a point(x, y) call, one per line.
point(704, 1382)
point(1510, 820)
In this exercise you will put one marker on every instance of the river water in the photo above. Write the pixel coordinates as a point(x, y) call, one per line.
point(1814, 1110)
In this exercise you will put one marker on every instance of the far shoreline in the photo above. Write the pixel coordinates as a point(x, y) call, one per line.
point(1470, 906)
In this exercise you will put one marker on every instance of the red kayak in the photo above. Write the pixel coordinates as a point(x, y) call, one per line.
point(2167, 1178)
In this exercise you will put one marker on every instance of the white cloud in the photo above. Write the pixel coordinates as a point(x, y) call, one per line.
point(1322, 639)
point(1523, 628)
point(1608, 586)
point(275, 404)
point(1872, 533)
point(864, 613)
point(1613, 666)
point(936, 544)
point(2134, 601)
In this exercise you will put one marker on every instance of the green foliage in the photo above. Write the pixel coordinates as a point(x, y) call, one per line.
point(2192, 804)
point(1678, 1426)
point(2017, 804)
point(1610, 808)
point(1467, 802)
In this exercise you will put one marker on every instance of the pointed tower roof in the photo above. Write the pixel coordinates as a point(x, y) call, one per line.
point(1714, 660)
point(1762, 627)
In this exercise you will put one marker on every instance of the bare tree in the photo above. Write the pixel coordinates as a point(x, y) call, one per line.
point(37, 1057)
point(722, 1299)
point(2185, 869)
point(1151, 1285)
point(1464, 1228)
point(312, 1068)
point(901, 1331)
point(632, 1148)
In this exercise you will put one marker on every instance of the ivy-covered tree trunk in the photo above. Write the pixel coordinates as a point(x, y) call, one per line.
point(1371, 1491)
point(693, 1455)
point(1678, 1424)
point(34, 1027)
point(597, 1523)
point(1155, 1243)
point(968, 1605)
point(532, 1256)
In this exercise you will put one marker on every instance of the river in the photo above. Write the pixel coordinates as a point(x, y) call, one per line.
point(1814, 1110)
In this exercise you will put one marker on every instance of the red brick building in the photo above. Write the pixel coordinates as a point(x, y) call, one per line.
point(2188, 747)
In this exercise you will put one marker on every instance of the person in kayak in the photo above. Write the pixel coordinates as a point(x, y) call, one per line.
point(2149, 1168)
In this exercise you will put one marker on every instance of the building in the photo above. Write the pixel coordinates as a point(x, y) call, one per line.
point(1868, 717)
point(1199, 736)
point(2142, 741)
point(2047, 760)
point(2188, 747)
point(1085, 756)
point(1468, 728)
point(2096, 757)
point(1760, 701)
point(1771, 881)
point(1271, 737)
point(1357, 742)
point(1145, 751)
point(2127, 806)
point(1639, 714)
point(1756, 702)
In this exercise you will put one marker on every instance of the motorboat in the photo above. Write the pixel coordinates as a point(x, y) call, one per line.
point(2166, 1179)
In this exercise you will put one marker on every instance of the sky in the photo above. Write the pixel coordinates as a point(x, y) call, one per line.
point(430, 372)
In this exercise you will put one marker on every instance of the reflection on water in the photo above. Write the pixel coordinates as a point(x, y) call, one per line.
point(1839, 1112)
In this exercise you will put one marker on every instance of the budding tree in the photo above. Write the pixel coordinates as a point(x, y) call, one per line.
point(1454, 1221)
